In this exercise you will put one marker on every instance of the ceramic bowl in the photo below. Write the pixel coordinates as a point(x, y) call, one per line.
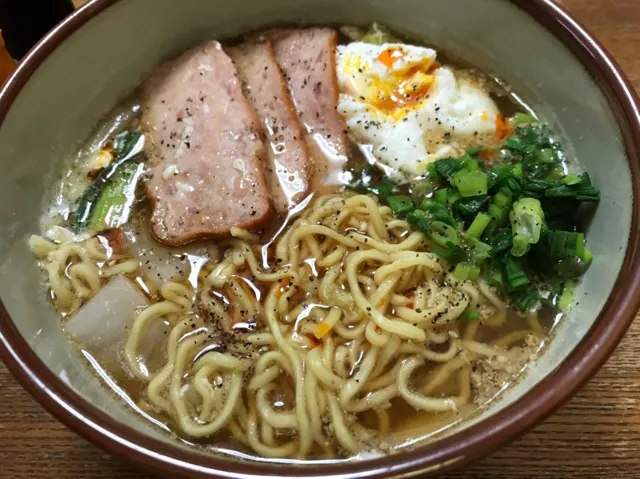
point(98, 55)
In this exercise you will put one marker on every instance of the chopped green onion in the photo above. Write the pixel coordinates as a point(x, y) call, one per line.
point(453, 253)
point(499, 210)
point(523, 119)
point(466, 271)
point(511, 187)
point(526, 219)
point(470, 182)
point(526, 299)
point(545, 156)
point(494, 274)
point(421, 189)
point(468, 208)
point(566, 299)
point(445, 169)
point(452, 197)
point(516, 275)
point(501, 242)
point(478, 251)
point(442, 233)
point(400, 203)
point(471, 315)
point(562, 191)
point(555, 174)
point(557, 245)
point(478, 226)
point(441, 196)
point(571, 180)
point(581, 250)
point(516, 144)
point(517, 170)
point(502, 199)
point(471, 164)
point(420, 220)
point(570, 268)
point(475, 150)
point(382, 189)
point(438, 212)
point(520, 246)
point(501, 172)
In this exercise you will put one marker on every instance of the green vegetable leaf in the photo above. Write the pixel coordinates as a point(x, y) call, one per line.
point(128, 147)
point(114, 204)
point(128, 144)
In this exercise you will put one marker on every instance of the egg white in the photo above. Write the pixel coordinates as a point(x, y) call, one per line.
point(454, 113)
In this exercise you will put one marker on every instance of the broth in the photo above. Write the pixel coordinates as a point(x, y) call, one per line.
point(408, 426)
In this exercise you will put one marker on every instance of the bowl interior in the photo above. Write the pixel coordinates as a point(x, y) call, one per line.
point(107, 57)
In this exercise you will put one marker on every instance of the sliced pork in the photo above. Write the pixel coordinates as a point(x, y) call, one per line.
point(205, 160)
point(288, 166)
point(307, 58)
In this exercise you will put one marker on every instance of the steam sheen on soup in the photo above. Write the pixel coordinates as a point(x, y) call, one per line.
point(312, 244)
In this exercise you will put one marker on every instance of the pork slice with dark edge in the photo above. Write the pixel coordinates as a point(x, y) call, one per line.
point(307, 58)
point(205, 157)
point(288, 165)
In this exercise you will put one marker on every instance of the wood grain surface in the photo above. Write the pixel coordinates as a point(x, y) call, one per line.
point(596, 435)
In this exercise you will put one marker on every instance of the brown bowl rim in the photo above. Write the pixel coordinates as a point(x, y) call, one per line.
point(473, 443)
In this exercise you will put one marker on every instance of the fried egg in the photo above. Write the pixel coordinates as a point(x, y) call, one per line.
point(408, 109)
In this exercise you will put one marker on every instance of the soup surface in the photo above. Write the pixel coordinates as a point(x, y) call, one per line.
point(312, 244)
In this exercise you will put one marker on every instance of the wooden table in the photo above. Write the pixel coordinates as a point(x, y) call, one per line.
point(596, 435)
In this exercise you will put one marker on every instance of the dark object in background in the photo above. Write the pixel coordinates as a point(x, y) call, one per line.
point(24, 22)
point(6, 62)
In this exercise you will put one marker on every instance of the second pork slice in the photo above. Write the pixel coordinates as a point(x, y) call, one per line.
point(288, 165)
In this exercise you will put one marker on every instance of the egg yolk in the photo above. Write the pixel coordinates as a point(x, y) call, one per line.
point(389, 56)
point(406, 87)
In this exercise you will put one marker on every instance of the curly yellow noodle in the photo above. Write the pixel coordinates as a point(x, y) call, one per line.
point(346, 313)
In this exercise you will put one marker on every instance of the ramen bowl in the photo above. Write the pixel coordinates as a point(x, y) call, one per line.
point(96, 57)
